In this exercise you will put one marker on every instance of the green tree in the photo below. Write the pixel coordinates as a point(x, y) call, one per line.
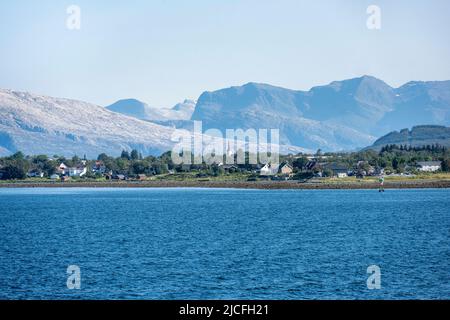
point(134, 154)
point(14, 172)
point(102, 157)
point(327, 173)
point(125, 155)
point(75, 160)
point(299, 163)
point(446, 165)
point(395, 163)
point(139, 167)
point(49, 168)
point(18, 156)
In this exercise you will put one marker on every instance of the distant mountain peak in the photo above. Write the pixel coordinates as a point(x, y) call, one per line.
point(355, 83)
point(131, 100)
point(130, 107)
point(140, 110)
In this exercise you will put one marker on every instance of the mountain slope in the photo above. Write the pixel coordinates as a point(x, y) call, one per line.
point(343, 115)
point(38, 124)
point(264, 106)
point(419, 103)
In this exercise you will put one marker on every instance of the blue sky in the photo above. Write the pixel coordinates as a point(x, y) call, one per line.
point(163, 51)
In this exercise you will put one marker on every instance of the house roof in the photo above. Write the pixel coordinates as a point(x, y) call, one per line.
point(286, 165)
point(229, 166)
point(311, 164)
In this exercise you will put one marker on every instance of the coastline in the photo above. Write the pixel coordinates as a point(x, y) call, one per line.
point(268, 185)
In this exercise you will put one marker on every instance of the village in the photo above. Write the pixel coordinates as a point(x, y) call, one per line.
point(391, 161)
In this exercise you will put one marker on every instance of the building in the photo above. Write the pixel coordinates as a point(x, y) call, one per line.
point(35, 174)
point(61, 169)
point(269, 170)
point(286, 169)
point(229, 168)
point(99, 167)
point(55, 177)
point(141, 177)
point(340, 171)
point(76, 171)
point(429, 166)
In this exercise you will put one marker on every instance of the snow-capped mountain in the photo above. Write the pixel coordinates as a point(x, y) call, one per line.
point(141, 110)
point(37, 124)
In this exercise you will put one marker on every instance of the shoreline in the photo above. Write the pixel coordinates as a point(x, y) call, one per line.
point(261, 185)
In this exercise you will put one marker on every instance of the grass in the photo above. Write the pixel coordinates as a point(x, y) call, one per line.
point(417, 177)
point(239, 177)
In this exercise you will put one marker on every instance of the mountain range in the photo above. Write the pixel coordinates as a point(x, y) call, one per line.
point(343, 115)
point(36, 124)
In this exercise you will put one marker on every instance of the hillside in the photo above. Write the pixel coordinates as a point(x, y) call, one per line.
point(417, 136)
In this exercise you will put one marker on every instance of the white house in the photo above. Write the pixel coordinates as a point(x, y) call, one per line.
point(76, 171)
point(269, 170)
point(61, 169)
point(35, 174)
point(428, 166)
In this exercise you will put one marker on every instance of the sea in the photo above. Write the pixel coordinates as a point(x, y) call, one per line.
point(177, 244)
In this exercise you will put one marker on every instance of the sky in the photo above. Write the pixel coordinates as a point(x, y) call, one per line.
point(165, 51)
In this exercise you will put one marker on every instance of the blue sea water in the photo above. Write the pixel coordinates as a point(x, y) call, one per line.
point(224, 244)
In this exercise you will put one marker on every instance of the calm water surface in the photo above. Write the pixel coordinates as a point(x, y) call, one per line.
point(224, 244)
